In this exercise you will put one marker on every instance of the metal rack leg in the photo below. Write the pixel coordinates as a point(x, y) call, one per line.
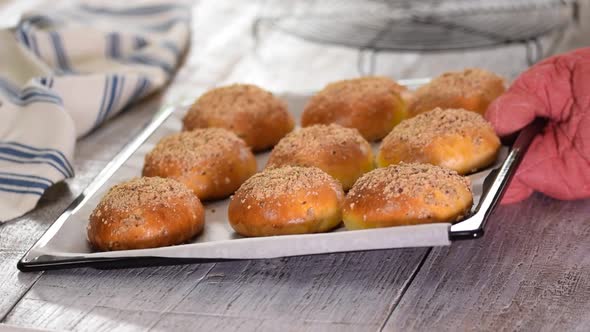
point(534, 51)
point(366, 61)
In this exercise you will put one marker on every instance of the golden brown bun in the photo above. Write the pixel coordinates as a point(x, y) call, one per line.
point(373, 105)
point(145, 213)
point(407, 194)
point(472, 89)
point(454, 138)
point(341, 152)
point(212, 162)
point(255, 115)
point(286, 200)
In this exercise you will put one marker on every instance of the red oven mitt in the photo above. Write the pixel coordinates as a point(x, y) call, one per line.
point(558, 160)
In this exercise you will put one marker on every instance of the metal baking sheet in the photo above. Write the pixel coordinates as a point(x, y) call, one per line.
point(65, 243)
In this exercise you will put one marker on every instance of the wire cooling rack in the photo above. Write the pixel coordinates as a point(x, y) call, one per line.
point(424, 25)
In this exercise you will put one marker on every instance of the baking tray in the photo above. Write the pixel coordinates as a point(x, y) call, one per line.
point(64, 244)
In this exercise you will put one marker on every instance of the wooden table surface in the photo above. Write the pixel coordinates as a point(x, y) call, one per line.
point(531, 271)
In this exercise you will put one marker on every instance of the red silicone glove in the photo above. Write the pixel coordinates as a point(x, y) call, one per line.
point(558, 160)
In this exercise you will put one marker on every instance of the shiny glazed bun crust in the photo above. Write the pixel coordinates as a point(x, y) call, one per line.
point(454, 138)
point(212, 162)
point(472, 89)
point(286, 200)
point(373, 105)
point(407, 194)
point(341, 152)
point(254, 114)
point(145, 213)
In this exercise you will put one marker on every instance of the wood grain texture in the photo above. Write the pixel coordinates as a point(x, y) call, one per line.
point(527, 272)
point(14, 328)
point(18, 235)
point(338, 291)
point(530, 272)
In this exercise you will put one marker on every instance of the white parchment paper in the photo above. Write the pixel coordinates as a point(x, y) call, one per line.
point(218, 239)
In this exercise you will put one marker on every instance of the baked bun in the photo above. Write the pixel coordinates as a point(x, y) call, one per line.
point(212, 162)
point(472, 89)
point(145, 213)
point(286, 200)
point(373, 105)
point(407, 194)
point(341, 152)
point(255, 115)
point(454, 138)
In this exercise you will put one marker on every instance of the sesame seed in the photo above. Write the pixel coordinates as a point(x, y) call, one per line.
point(469, 83)
point(152, 192)
point(302, 147)
point(191, 148)
point(274, 182)
point(410, 179)
point(422, 129)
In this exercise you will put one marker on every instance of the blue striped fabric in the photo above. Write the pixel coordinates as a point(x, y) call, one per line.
point(113, 45)
point(166, 25)
point(139, 42)
point(135, 11)
point(60, 54)
point(23, 184)
point(30, 94)
point(24, 154)
point(10, 190)
point(150, 61)
point(101, 59)
point(171, 47)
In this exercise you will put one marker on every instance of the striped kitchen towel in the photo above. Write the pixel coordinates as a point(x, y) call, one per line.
point(65, 71)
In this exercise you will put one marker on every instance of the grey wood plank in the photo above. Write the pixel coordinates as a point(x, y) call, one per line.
point(92, 154)
point(14, 284)
point(198, 322)
point(17, 236)
point(531, 272)
point(338, 291)
point(13, 328)
point(78, 299)
point(353, 288)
